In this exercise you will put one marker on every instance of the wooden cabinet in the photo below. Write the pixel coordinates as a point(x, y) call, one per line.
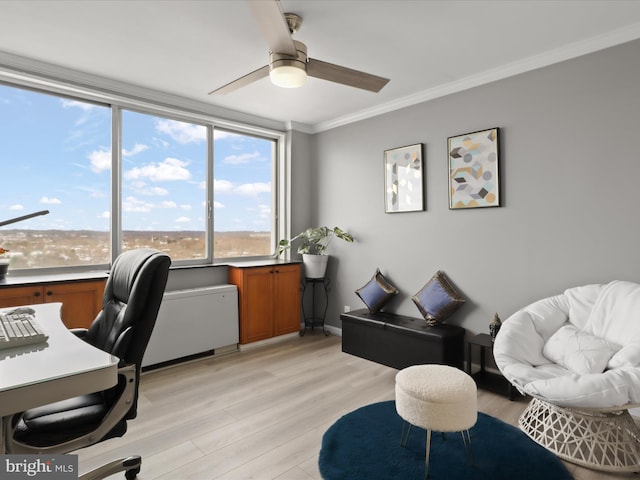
point(81, 301)
point(268, 300)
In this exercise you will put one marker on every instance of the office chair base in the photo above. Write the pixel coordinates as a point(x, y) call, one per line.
point(129, 465)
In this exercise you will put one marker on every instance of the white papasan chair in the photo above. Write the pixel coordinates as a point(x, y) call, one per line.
point(578, 355)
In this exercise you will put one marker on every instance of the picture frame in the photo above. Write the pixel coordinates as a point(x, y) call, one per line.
point(474, 164)
point(404, 179)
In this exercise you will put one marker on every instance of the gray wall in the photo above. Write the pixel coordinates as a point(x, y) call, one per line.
point(304, 192)
point(570, 170)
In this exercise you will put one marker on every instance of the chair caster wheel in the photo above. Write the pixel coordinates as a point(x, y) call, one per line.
point(132, 474)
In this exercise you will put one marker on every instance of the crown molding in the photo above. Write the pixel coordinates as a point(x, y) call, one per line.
point(568, 52)
point(300, 127)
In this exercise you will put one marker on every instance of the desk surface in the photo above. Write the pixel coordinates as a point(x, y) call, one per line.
point(26, 280)
point(63, 367)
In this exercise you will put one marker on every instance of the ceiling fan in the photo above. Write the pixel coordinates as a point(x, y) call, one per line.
point(288, 62)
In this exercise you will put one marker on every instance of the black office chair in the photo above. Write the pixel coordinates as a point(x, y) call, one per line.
point(129, 309)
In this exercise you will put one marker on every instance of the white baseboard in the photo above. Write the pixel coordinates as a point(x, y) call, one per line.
point(334, 330)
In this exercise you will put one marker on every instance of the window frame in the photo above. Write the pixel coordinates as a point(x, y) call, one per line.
point(117, 103)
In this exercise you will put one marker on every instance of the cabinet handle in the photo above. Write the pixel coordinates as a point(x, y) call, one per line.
point(36, 294)
point(49, 293)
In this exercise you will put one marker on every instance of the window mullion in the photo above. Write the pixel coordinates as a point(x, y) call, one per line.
point(116, 181)
point(209, 207)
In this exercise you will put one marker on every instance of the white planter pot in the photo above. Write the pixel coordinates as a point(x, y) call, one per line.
point(315, 266)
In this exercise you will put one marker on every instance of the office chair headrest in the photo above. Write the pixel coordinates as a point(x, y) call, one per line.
point(125, 271)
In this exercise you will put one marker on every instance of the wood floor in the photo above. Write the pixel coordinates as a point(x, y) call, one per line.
point(259, 413)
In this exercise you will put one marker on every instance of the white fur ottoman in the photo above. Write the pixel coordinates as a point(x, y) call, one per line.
point(436, 397)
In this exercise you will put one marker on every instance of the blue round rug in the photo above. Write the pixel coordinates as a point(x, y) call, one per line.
point(365, 445)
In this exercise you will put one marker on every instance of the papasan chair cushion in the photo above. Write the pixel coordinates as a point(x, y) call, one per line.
point(580, 349)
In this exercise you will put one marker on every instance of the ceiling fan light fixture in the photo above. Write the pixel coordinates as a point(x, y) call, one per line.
point(287, 71)
point(288, 76)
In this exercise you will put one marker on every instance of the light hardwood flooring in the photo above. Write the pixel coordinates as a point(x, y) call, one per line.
point(259, 413)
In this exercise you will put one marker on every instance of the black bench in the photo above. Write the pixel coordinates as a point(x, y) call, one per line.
point(399, 341)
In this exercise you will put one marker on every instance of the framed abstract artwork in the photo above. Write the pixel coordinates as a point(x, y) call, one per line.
point(473, 170)
point(403, 179)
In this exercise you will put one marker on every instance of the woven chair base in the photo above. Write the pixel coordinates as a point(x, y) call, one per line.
point(599, 439)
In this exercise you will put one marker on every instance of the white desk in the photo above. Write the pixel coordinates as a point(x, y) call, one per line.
point(64, 367)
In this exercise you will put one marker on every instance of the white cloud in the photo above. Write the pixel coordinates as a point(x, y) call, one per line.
point(241, 159)
point(66, 103)
point(182, 132)
point(264, 211)
point(50, 201)
point(186, 207)
point(152, 191)
point(132, 204)
point(105, 215)
point(218, 205)
point(247, 189)
point(100, 160)
point(17, 206)
point(169, 169)
point(87, 109)
point(220, 134)
point(252, 189)
point(222, 186)
point(137, 148)
point(183, 220)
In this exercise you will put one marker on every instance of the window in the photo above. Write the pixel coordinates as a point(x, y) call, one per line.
point(184, 184)
point(164, 179)
point(54, 156)
point(243, 200)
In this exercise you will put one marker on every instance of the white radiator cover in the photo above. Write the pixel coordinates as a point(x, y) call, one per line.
point(194, 321)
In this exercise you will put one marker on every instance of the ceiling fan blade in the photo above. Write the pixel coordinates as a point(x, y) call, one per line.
point(271, 21)
point(345, 76)
point(242, 81)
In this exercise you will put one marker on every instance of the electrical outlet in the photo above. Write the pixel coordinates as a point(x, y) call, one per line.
point(347, 309)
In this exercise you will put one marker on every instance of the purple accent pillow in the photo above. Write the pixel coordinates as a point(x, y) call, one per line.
point(377, 292)
point(437, 300)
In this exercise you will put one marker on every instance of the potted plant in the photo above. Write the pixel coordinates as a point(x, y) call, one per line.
point(314, 244)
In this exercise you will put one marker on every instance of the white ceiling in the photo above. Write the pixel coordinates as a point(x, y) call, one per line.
point(427, 48)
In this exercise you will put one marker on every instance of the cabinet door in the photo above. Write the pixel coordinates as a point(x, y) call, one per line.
point(256, 315)
point(81, 301)
point(14, 296)
point(286, 314)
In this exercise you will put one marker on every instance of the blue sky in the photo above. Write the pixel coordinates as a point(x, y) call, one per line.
point(55, 154)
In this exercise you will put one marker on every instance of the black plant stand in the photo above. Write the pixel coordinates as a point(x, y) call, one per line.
point(312, 320)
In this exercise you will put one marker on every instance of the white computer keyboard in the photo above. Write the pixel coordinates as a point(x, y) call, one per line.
point(18, 329)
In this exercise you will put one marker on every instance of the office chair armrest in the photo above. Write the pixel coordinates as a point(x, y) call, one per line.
point(79, 332)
